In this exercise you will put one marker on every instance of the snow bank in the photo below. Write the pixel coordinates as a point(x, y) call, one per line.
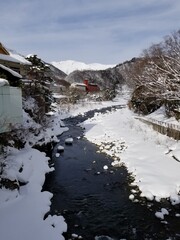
point(47, 133)
point(160, 115)
point(144, 152)
point(22, 210)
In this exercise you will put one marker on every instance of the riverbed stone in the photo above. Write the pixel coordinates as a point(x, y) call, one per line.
point(60, 148)
point(69, 141)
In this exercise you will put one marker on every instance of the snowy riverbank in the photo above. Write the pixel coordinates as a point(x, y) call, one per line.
point(147, 154)
point(22, 210)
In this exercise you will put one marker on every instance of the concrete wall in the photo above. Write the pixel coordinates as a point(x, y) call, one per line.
point(10, 107)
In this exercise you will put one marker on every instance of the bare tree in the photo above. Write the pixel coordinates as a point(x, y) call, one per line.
point(159, 66)
point(158, 69)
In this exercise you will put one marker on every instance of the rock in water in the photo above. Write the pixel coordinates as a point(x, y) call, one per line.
point(69, 141)
point(105, 167)
point(60, 148)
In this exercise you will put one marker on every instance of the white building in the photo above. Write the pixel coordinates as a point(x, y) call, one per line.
point(10, 106)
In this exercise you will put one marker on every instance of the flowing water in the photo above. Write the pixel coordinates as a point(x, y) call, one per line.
point(95, 202)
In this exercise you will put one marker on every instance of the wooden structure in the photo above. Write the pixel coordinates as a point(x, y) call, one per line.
point(14, 61)
point(3, 50)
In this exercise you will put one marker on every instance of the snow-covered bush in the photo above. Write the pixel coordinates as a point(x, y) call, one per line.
point(145, 101)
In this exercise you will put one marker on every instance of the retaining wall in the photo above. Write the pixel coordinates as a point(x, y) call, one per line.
point(168, 129)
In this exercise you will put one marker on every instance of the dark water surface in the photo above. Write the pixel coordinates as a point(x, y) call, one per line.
point(95, 202)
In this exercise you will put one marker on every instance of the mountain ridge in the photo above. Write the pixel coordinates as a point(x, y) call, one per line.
point(68, 66)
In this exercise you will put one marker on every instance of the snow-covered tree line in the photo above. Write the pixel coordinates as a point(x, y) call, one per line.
point(157, 72)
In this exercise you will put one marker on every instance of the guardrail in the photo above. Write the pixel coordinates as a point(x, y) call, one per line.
point(168, 129)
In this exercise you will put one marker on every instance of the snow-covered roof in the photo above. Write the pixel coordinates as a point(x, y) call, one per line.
point(20, 58)
point(3, 82)
point(92, 84)
point(15, 58)
point(78, 85)
point(11, 71)
point(8, 58)
point(59, 96)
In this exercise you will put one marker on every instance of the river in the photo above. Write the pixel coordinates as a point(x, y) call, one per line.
point(95, 202)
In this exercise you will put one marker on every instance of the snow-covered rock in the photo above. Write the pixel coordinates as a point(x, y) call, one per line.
point(105, 167)
point(162, 213)
point(69, 141)
point(60, 148)
point(57, 155)
point(131, 197)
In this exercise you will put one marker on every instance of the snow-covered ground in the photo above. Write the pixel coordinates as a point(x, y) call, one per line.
point(152, 158)
point(22, 210)
point(86, 105)
point(69, 66)
point(147, 155)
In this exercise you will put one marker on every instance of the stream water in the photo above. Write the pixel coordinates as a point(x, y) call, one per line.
point(95, 202)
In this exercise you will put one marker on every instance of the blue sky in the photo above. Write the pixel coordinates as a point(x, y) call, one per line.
point(104, 31)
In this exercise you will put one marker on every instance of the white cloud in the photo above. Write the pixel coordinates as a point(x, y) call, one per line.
point(86, 29)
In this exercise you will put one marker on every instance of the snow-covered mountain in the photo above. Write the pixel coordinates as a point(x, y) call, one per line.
point(69, 66)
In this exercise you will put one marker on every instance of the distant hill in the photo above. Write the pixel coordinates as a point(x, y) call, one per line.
point(107, 78)
point(56, 71)
point(69, 66)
